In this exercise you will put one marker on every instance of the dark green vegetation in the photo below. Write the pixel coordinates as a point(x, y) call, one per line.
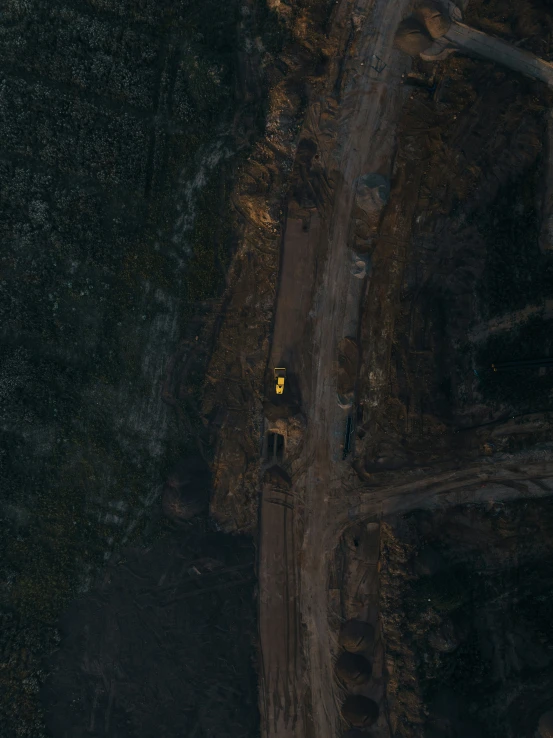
point(526, 22)
point(474, 597)
point(516, 273)
point(526, 389)
point(169, 633)
point(446, 590)
point(476, 135)
point(120, 125)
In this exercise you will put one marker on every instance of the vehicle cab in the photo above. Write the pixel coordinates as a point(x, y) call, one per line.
point(280, 378)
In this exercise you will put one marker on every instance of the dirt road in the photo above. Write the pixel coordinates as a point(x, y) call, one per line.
point(359, 142)
point(370, 110)
point(280, 704)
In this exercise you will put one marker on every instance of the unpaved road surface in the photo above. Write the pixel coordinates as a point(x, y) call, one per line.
point(280, 704)
point(360, 142)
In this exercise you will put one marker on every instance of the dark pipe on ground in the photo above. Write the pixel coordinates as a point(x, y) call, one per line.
point(521, 363)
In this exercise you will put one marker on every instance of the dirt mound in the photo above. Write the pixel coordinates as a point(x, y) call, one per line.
point(360, 711)
point(412, 38)
point(352, 668)
point(433, 18)
point(277, 410)
point(356, 636)
point(348, 358)
point(277, 477)
point(373, 191)
point(186, 490)
point(545, 725)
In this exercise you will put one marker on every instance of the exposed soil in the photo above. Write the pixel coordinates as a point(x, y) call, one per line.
point(447, 209)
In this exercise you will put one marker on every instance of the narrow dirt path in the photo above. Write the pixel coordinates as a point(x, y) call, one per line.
point(480, 44)
point(511, 321)
point(503, 480)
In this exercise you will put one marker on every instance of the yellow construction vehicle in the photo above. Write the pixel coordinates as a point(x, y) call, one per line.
point(280, 377)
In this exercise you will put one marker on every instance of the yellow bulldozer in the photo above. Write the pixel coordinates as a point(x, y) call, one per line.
point(280, 378)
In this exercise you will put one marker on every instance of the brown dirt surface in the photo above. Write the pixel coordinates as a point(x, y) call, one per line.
point(379, 225)
point(279, 180)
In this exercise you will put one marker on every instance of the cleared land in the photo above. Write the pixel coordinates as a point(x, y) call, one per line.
point(353, 138)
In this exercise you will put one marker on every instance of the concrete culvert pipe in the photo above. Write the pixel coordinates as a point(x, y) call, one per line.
point(356, 636)
point(433, 18)
point(353, 669)
point(412, 38)
point(359, 711)
point(545, 725)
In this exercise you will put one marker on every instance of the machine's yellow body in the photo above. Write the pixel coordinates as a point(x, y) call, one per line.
point(280, 378)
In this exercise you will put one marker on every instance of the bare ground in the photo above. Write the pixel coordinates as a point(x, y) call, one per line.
point(394, 414)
